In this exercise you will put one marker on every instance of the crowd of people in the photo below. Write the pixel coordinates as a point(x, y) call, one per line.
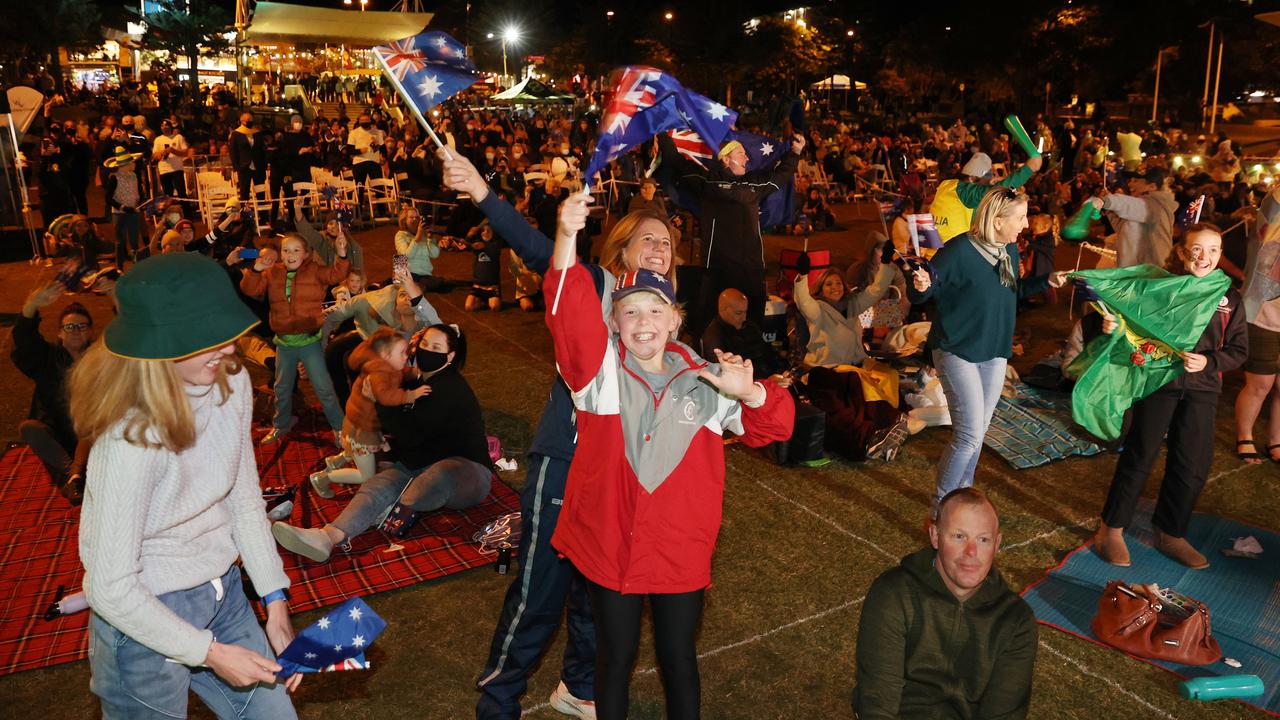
point(635, 512)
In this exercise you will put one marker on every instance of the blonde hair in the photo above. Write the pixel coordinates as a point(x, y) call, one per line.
point(148, 395)
point(401, 220)
point(997, 203)
point(613, 252)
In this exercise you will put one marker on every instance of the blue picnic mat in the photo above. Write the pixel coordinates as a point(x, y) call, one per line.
point(1243, 595)
point(1035, 428)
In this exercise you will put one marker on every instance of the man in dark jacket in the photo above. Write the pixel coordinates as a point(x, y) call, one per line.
point(942, 635)
point(729, 213)
point(49, 430)
point(248, 156)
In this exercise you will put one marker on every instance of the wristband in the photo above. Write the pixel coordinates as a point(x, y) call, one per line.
point(273, 596)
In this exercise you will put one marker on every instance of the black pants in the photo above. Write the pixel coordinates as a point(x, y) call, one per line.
point(1188, 417)
point(174, 184)
point(246, 179)
point(62, 456)
point(675, 625)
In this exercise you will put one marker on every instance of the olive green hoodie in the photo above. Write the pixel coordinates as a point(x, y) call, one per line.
point(924, 654)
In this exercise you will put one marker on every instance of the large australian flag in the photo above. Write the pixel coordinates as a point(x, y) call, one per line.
point(647, 101)
point(763, 152)
point(428, 68)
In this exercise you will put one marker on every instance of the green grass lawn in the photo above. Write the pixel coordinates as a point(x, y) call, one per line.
point(797, 552)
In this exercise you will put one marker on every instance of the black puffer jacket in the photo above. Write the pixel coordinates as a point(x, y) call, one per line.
point(1225, 342)
point(445, 423)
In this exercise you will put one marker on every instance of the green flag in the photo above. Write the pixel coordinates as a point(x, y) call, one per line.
point(1160, 316)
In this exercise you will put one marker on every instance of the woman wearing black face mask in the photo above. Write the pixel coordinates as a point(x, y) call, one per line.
point(438, 443)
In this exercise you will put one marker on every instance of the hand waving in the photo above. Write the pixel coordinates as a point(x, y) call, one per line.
point(735, 378)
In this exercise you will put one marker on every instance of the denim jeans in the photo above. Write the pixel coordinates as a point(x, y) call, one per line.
point(312, 358)
point(135, 682)
point(456, 483)
point(972, 391)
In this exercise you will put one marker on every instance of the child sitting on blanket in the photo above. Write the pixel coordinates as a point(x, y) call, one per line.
point(380, 360)
point(645, 490)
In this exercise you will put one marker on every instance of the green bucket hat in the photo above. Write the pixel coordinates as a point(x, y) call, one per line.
point(174, 306)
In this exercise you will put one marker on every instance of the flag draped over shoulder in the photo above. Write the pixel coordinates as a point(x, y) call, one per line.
point(428, 68)
point(647, 101)
point(1160, 316)
point(778, 208)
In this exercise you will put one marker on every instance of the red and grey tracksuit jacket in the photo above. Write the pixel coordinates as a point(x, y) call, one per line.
point(645, 492)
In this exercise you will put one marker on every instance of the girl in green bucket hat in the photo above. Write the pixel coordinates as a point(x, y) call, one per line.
point(173, 499)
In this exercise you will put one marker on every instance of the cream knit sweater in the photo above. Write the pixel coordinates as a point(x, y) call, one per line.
point(154, 521)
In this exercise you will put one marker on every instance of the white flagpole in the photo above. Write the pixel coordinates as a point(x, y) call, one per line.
point(413, 107)
point(555, 305)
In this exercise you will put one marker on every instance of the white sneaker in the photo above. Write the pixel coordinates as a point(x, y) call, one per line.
point(563, 701)
point(311, 543)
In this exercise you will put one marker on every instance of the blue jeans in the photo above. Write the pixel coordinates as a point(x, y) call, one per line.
point(135, 682)
point(312, 358)
point(972, 391)
point(455, 483)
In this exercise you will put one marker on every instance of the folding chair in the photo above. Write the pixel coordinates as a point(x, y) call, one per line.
point(308, 197)
point(382, 191)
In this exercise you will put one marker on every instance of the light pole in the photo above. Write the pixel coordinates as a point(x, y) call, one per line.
point(511, 34)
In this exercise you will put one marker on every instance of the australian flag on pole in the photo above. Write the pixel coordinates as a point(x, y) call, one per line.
point(428, 68)
point(647, 101)
point(336, 641)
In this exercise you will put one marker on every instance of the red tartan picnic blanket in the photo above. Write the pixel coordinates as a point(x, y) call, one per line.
point(39, 549)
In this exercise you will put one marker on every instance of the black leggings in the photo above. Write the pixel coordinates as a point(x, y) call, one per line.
point(675, 625)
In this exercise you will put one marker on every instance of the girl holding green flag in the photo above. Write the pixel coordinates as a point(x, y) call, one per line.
point(1184, 409)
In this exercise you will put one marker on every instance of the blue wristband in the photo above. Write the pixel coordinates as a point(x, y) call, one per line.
point(273, 596)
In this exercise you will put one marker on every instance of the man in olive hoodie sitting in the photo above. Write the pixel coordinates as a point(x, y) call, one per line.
point(942, 635)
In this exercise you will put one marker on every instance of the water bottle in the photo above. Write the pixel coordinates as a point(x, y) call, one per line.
point(1221, 687)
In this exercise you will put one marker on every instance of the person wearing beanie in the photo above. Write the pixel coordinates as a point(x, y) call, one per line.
point(173, 501)
point(729, 200)
point(956, 202)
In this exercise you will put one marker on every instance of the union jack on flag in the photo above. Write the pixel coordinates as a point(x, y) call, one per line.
point(647, 101)
point(1191, 213)
point(427, 68)
point(690, 145)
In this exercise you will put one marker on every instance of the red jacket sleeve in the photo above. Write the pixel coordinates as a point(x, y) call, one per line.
point(774, 420)
point(577, 330)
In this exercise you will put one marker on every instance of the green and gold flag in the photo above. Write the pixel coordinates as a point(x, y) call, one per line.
point(1161, 315)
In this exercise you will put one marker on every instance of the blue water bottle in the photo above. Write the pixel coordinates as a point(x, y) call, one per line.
point(1221, 687)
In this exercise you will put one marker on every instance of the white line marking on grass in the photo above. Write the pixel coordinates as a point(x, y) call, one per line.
point(1084, 670)
point(1045, 534)
point(840, 528)
point(1225, 473)
point(745, 641)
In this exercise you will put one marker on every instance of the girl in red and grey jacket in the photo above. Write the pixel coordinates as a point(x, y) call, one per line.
point(642, 508)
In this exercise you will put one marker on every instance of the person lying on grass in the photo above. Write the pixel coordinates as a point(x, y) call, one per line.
point(643, 503)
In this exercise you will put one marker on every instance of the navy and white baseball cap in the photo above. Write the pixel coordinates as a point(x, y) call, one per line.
point(644, 280)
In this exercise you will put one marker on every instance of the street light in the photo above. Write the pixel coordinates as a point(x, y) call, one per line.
point(511, 34)
point(668, 17)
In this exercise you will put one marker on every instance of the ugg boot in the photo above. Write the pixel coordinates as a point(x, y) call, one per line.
point(1110, 546)
point(1179, 549)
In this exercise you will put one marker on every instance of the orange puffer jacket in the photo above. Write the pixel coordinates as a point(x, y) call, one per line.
point(303, 311)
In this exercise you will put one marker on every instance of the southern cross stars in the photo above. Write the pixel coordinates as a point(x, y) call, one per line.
point(766, 149)
point(355, 614)
point(430, 86)
point(716, 110)
point(323, 623)
point(357, 641)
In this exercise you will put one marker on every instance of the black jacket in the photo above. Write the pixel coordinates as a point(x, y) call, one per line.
point(47, 364)
point(446, 423)
point(729, 205)
point(1225, 342)
point(243, 154)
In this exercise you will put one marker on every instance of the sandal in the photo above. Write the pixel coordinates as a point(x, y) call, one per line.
point(1252, 457)
point(1271, 457)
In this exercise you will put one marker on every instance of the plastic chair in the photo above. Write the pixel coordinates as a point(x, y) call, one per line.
point(382, 191)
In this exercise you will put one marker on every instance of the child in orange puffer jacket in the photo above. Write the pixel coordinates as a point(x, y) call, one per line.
point(380, 360)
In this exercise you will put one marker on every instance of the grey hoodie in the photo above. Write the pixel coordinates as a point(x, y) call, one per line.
point(1144, 225)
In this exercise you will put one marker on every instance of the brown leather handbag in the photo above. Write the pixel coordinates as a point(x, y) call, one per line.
point(1137, 621)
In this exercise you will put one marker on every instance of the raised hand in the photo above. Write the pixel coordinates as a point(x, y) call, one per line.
point(735, 379)
point(44, 296)
point(921, 280)
point(461, 175)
